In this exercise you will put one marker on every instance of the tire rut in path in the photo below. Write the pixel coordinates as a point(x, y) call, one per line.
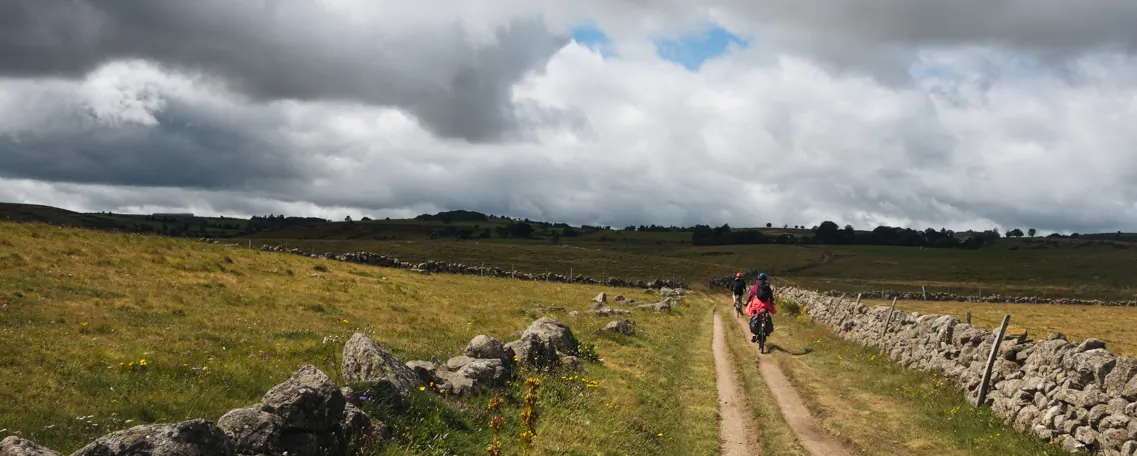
point(737, 430)
point(809, 434)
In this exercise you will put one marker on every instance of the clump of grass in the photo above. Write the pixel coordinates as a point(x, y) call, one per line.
point(587, 351)
point(321, 267)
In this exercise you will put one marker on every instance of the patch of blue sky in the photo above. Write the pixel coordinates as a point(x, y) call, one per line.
point(593, 38)
point(693, 50)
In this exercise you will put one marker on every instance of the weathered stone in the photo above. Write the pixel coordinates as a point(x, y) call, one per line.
point(554, 334)
point(488, 372)
point(15, 446)
point(531, 351)
point(424, 370)
point(1112, 439)
point(572, 363)
point(1123, 371)
point(600, 298)
point(1116, 421)
point(367, 361)
point(190, 438)
point(1051, 413)
point(1091, 344)
point(1069, 444)
point(253, 430)
point(1129, 448)
point(307, 401)
point(1086, 435)
point(662, 306)
point(608, 311)
point(457, 362)
point(356, 424)
point(485, 347)
point(1026, 418)
point(627, 327)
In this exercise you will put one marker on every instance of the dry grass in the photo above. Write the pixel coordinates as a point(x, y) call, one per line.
point(228, 324)
point(880, 407)
point(1117, 326)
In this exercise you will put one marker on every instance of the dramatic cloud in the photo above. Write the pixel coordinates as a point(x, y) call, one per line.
point(961, 116)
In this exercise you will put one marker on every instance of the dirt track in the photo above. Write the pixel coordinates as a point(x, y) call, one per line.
point(809, 434)
point(737, 430)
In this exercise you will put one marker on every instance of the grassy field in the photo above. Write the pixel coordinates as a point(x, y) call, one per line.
point(1099, 266)
point(883, 408)
point(1038, 267)
point(227, 324)
point(1117, 326)
point(596, 263)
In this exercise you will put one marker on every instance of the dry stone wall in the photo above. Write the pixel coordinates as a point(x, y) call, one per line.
point(992, 298)
point(1077, 395)
point(378, 259)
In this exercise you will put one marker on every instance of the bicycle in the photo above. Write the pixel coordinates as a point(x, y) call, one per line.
point(762, 325)
point(737, 306)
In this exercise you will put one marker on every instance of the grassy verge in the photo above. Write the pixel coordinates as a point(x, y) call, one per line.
point(1117, 326)
point(774, 434)
point(82, 310)
point(885, 409)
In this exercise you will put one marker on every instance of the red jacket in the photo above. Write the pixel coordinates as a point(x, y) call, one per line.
point(756, 304)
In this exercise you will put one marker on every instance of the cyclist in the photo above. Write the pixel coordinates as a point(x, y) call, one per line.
point(761, 300)
point(738, 287)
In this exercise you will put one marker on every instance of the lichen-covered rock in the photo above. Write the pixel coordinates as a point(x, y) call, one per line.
point(626, 327)
point(608, 311)
point(15, 446)
point(307, 401)
point(662, 306)
point(457, 362)
point(554, 334)
point(305, 414)
point(253, 430)
point(485, 347)
point(367, 361)
point(530, 350)
point(190, 438)
point(424, 370)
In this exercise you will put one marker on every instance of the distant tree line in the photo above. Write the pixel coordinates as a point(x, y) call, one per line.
point(829, 233)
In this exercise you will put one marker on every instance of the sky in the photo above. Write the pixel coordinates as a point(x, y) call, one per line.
point(971, 114)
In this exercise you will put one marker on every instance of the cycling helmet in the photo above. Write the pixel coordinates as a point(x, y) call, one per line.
point(738, 275)
point(762, 276)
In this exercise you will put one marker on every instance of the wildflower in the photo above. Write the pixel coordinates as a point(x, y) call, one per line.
point(345, 322)
point(422, 388)
point(83, 324)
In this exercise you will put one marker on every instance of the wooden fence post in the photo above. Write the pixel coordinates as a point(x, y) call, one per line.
point(887, 321)
point(969, 317)
point(925, 291)
point(858, 298)
point(991, 362)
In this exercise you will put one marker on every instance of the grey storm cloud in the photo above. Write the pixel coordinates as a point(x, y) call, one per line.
point(882, 37)
point(188, 147)
point(287, 50)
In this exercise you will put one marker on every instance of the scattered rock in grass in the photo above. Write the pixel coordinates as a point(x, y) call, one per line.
point(626, 327)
